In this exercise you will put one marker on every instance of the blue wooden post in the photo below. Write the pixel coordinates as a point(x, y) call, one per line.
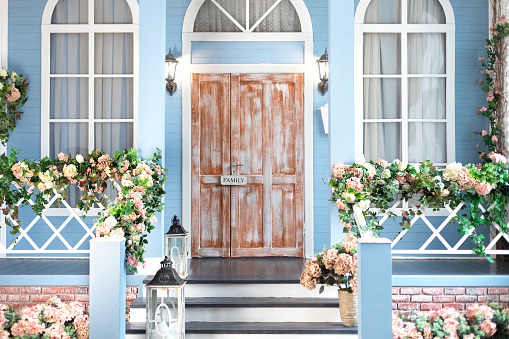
point(375, 288)
point(341, 95)
point(107, 288)
point(151, 122)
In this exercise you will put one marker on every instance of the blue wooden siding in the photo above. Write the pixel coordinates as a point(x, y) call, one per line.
point(25, 57)
point(247, 52)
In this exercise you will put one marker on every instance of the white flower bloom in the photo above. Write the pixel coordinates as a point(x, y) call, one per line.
point(48, 184)
point(80, 159)
point(1, 85)
point(127, 183)
point(110, 221)
point(437, 178)
point(3, 72)
point(402, 165)
point(370, 168)
point(45, 177)
point(416, 167)
point(117, 233)
point(452, 170)
point(364, 205)
point(386, 174)
point(406, 187)
point(70, 171)
point(349, 197)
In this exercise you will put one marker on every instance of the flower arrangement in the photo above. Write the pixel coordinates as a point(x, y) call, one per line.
point(377, 184)
point(479, 321)
point(334, 267)
point(53, 320)
point(13, 94)
point(131, 214)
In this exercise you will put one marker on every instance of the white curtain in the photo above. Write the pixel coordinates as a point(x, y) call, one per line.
point(282, 18)
point(382, 96)
point(426, 95)
point(426, 55)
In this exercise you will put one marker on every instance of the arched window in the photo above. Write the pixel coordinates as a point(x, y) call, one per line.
point(89, 76)
point(404, 80)
point(247, 16)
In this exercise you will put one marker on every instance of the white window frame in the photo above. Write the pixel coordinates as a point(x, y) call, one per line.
point(91, 29)
point(308, 68)
point(449, 29)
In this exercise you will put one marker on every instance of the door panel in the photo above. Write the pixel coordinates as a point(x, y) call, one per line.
point(273, 103)
point(259, 126)
point(210, 159)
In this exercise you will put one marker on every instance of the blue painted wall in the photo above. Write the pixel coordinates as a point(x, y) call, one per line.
point(25, 57)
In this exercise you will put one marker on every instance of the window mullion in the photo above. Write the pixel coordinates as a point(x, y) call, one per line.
point(247, 15)
point(91, 89)
point(404, 95)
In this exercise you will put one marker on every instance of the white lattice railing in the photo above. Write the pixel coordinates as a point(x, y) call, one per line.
point(49, 211)
point(436, 231)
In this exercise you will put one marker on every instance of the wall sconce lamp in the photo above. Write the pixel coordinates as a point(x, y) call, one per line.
point(171, 69)
point(323, 70)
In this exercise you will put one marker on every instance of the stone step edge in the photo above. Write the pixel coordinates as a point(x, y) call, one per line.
point(254, 328)
point(251, 302)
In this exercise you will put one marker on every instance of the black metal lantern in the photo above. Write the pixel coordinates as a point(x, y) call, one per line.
point(171, 70)
point(323, 70)
point(166, 304)
point(176, 246)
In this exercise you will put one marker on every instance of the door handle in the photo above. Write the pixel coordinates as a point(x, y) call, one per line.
point(234, 167)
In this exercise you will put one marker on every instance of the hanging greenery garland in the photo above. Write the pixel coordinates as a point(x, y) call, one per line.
point(13, 95)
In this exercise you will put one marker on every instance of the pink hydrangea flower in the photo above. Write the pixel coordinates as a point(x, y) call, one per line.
point(355, 183)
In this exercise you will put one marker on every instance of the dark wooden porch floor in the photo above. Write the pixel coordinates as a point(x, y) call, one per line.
point(262, 270)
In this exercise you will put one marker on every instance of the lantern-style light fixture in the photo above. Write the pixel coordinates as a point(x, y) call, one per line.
point(323, 70)
point(171, 70)
point(166, 304)
point(176, 246)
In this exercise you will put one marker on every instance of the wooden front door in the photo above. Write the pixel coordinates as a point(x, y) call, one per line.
point(256, 122)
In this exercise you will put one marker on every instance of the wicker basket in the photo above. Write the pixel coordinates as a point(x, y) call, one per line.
point(348, 308)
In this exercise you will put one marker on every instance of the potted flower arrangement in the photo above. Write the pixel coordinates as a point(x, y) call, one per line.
point(336, 266)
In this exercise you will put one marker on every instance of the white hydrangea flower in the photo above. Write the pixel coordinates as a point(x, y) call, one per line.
point(3, 72)
point(80, 159)
point(349, 197)
point(364, 205)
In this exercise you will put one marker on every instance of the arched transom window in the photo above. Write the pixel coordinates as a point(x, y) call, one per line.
point(405, 80)
point(247, 16)
point(89, 76)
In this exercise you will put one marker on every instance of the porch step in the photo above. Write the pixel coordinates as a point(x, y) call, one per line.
point(252, 288)
point(251, 309)
point(231, 330)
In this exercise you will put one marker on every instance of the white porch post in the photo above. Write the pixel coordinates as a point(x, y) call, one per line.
point(107, 288)
point(341, 95)
point(151, 118)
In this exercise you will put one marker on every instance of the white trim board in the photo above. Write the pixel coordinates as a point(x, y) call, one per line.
point(308, 69)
